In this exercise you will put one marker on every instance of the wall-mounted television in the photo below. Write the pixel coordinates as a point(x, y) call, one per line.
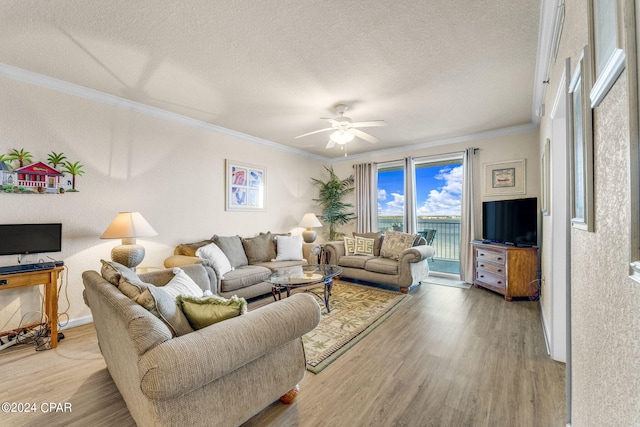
point(19, 239)
point(510, 222)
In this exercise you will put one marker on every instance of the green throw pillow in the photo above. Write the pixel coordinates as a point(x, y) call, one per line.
point(205, 311)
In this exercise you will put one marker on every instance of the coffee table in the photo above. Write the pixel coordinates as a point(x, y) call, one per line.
point(304, 275)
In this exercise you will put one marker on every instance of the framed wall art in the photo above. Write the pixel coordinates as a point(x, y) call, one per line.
point(581, 146)
point(246, 186)
point(505, 178)
point(606, 41)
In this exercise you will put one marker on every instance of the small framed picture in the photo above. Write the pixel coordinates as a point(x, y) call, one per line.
point(246, 186)
point(504, 178)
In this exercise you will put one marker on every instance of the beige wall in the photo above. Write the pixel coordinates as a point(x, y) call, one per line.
point(173, 174)
point(605, 302)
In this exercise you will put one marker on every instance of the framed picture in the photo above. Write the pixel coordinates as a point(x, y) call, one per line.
point(581, 146)
point(246, 186)
point(504, 178)
point(546, 176)
point(606, 39)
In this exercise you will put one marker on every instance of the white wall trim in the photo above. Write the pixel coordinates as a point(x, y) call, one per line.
point(62, 86)
point(72, 323)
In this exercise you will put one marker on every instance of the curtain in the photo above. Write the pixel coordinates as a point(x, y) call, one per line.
point(410, 214)
point(467, 221)
point(366, 188)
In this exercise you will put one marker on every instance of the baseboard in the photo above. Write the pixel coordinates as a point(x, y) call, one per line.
point(72, 323)
point(545, 331)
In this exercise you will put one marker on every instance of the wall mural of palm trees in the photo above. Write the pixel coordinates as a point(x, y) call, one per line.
point(19, 173)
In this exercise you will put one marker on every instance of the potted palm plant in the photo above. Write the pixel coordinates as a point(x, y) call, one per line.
point(334, 210)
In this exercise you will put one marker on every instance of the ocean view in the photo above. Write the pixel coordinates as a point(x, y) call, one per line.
point(447, 237)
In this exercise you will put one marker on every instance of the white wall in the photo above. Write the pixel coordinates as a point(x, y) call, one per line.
point(173, 174)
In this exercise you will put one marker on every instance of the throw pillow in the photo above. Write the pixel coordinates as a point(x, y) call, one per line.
point(377, 240)
point(112, 272)
point(289, 248)
point(202, 312)
point(394, 243)
point(364, 246)
point(163, 306)
point(233, 249)
point(218, 259)
point(182, 284)
point(349, 246)
point(132, 287)
point(189, 249)
point(259, 248)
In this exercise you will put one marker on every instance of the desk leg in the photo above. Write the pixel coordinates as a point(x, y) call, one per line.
point(51, 307)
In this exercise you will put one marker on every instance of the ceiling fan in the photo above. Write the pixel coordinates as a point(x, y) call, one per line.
point(344, 129)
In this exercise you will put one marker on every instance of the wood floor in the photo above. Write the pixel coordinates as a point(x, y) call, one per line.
point(448, 357)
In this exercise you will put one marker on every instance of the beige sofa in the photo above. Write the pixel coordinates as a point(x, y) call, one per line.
point(409, 269)
point(220, 375)
point(252, 260)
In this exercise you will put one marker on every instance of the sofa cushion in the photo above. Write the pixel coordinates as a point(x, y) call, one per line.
point(233, 249)
point(259, 248)
point(377, 237)
point(189, 249)
point(289, 248)
point(202, 312)
point(354, 261)
point(216, 257)
point(395, 242)
point(244, 276)
point(364, 246)
point(382, 265)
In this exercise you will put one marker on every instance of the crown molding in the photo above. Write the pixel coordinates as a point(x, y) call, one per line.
point(72, 89)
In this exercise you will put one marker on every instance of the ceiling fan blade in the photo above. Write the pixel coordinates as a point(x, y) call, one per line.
point(315, 131)
point(330, 144)
point(362, 135)
point(369, 124)
point(331, 120)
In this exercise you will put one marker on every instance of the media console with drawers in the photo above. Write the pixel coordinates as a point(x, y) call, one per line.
point(509, 270)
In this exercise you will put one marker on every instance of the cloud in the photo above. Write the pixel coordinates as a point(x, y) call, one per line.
point(445, 200)
point(394, 207)
point(382, 194)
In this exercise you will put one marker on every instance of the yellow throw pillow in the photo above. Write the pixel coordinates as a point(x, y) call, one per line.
point(205, 311)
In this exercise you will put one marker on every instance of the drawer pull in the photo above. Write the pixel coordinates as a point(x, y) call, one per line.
point(499, 282)
point(499, 258)
point(481, 265)
point(4, 282)
point(499, 270)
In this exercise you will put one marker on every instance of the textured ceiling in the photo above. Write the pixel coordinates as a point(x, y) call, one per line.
point(433, 69)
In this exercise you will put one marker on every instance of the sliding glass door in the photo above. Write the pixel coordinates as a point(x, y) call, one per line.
point(438, 200)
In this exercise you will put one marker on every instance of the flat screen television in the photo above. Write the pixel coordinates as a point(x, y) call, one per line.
point(511, 222)
point(19, 239)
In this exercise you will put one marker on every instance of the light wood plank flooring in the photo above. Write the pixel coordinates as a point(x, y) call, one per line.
point(448, 357)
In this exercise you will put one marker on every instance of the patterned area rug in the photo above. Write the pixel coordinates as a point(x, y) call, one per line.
point(356, 310)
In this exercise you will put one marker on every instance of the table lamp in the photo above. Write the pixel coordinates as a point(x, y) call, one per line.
point(127, 226)
point(309, 220)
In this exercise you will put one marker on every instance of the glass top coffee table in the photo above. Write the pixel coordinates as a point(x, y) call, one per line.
point(304, 275)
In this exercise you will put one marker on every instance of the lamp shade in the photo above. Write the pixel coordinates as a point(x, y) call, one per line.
point(310, 220)
point(128, 225)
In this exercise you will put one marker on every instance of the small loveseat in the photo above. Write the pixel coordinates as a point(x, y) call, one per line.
point(402, 261)
point(220, 375)
point(251, 259)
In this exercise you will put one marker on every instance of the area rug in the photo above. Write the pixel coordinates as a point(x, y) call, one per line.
point(356, 310)
point(443, 281)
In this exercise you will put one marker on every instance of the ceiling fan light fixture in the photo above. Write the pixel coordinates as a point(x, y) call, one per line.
point(342, 136)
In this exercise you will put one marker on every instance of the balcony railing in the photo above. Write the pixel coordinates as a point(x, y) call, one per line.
point(447, 238)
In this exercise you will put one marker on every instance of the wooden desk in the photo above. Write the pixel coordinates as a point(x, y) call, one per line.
point(48, 278)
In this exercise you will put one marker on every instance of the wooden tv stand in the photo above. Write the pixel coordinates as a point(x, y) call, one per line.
point(508, 270)
point(48, 278)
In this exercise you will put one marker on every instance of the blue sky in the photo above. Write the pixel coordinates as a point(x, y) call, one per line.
point(439, 191)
